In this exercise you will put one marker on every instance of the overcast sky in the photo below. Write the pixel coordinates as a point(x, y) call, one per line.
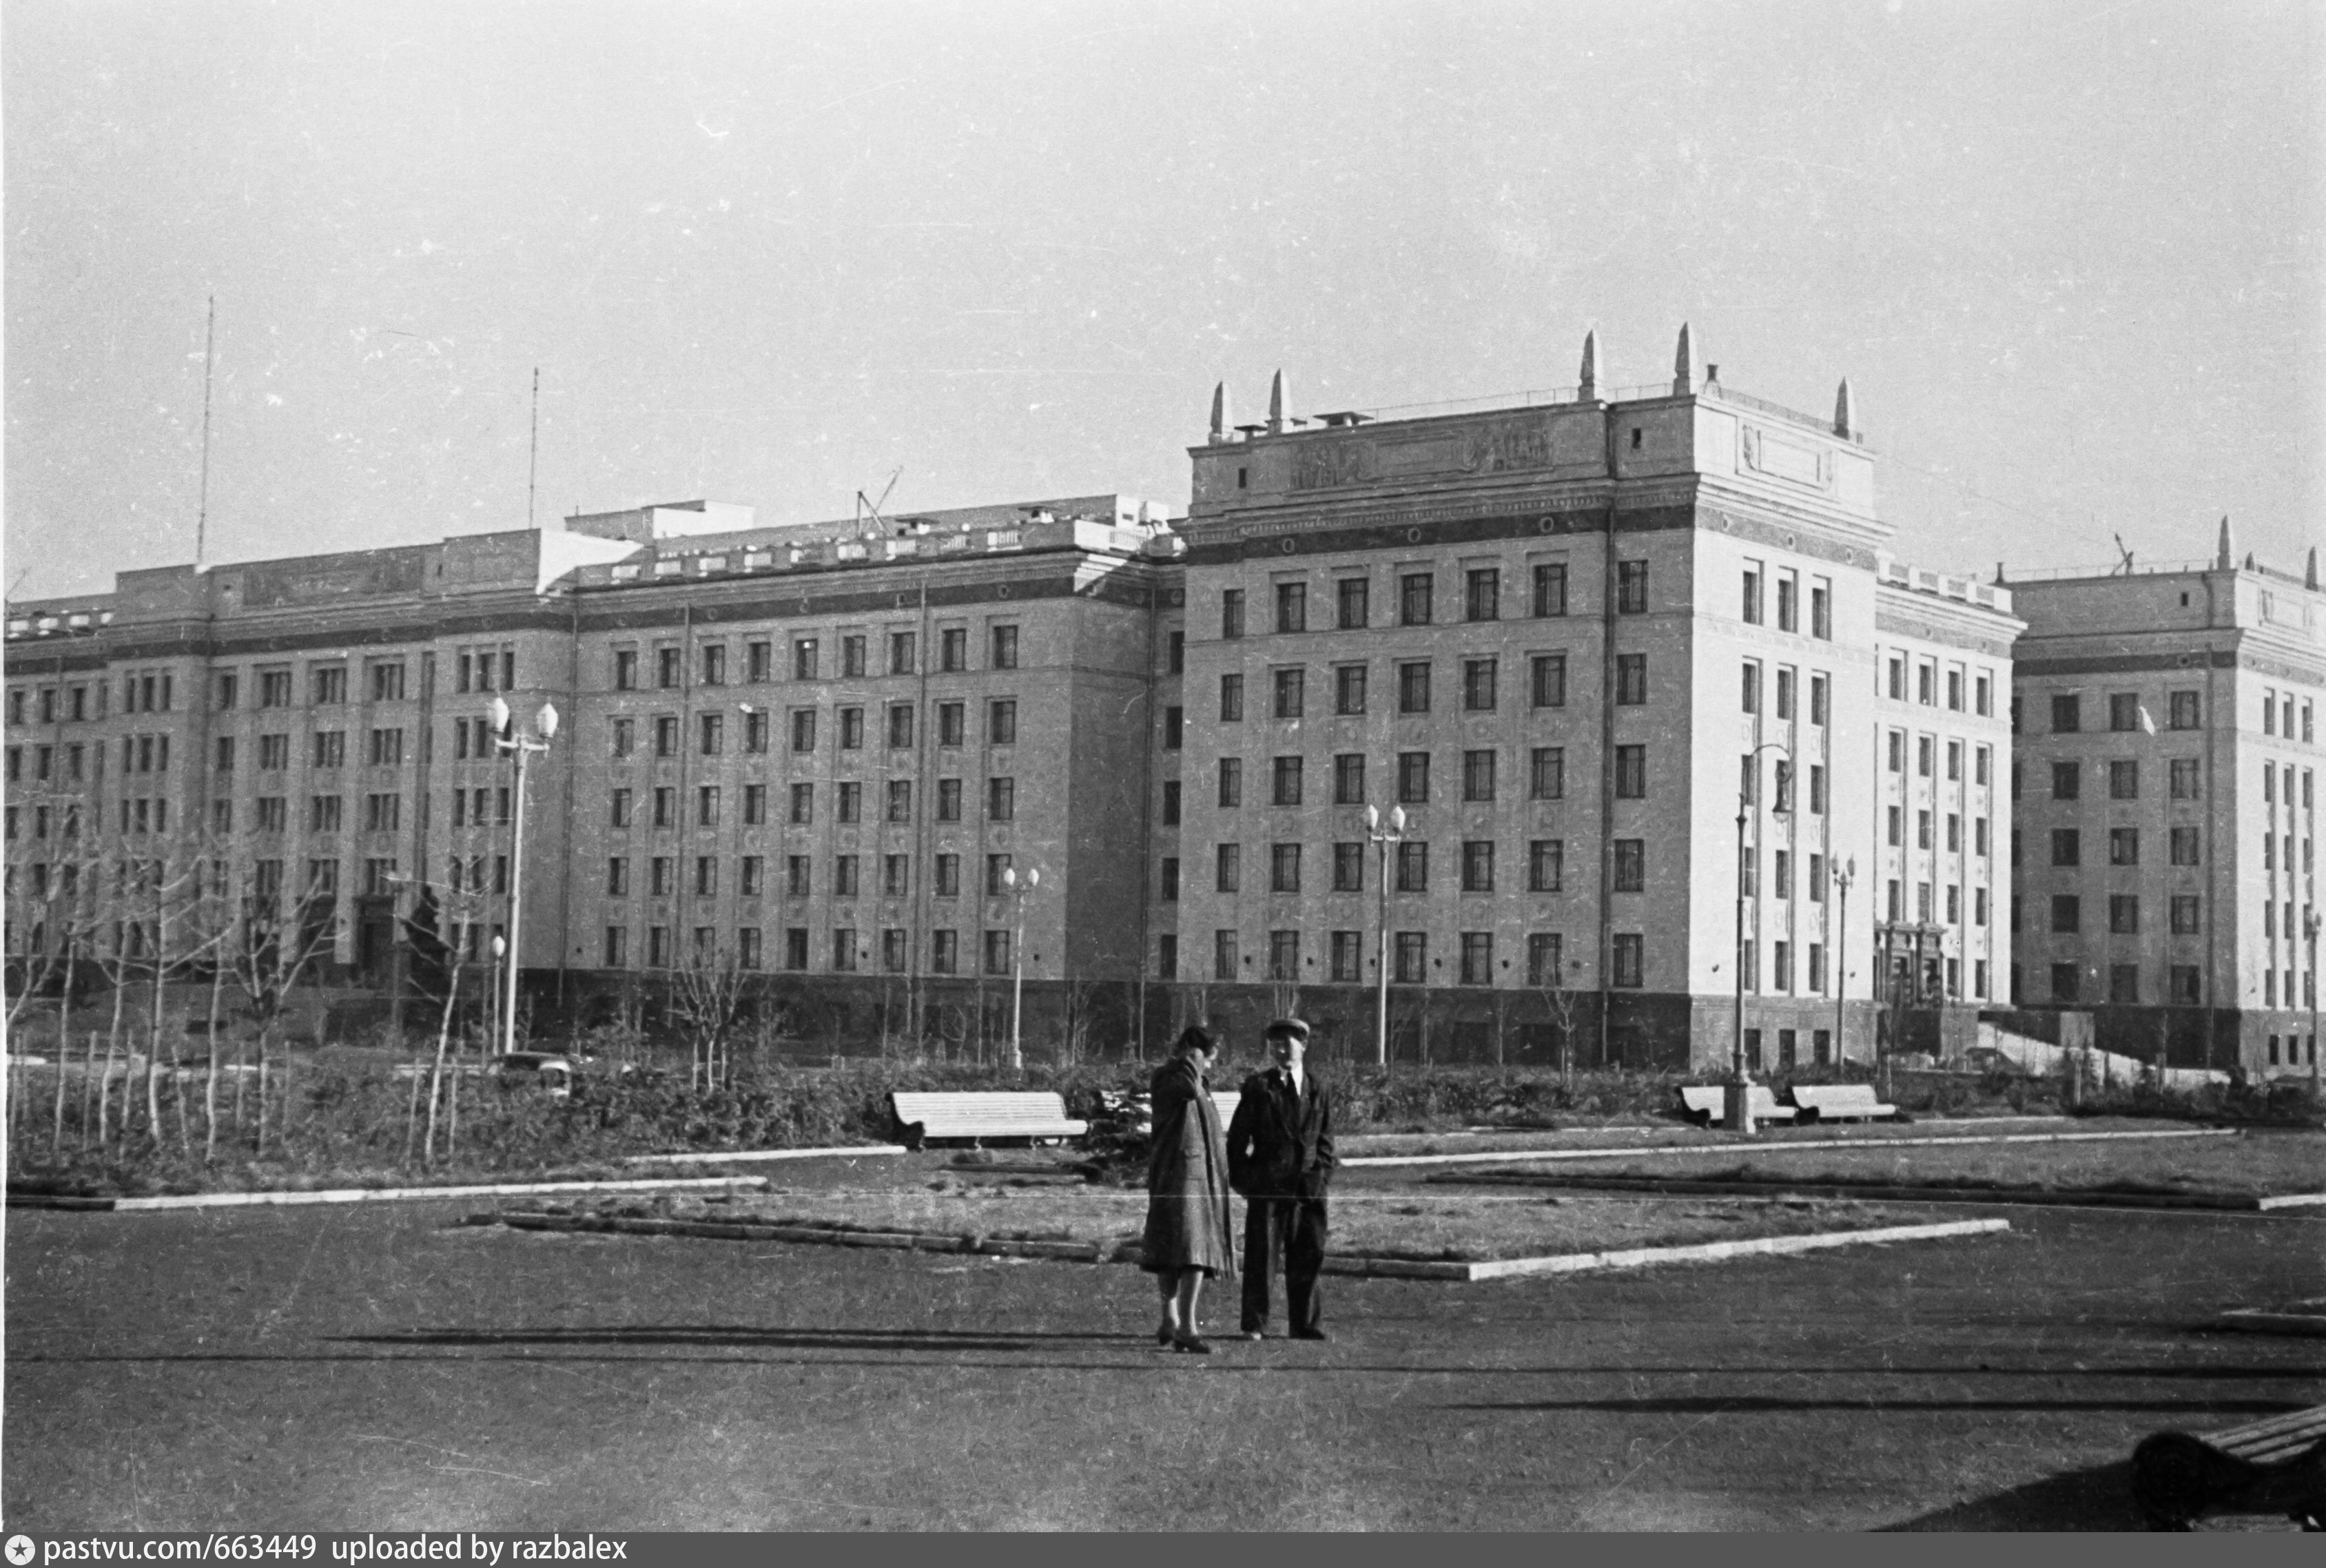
point(2068, 254)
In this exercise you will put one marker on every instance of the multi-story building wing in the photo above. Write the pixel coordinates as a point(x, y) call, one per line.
point(2167, 753)
point(1576, 642)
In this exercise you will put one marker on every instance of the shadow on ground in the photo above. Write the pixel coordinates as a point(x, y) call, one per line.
point(2100, 1498)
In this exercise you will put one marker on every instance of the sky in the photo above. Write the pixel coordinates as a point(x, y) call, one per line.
point(2067, 253)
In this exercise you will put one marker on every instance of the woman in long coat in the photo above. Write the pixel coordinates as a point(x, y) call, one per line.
point(1188, 1202)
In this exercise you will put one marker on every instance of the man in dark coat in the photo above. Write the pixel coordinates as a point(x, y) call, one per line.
point(1281, 1158)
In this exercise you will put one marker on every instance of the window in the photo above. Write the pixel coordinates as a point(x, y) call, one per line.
point(2182, 708)
point(1230, 774)
point(1284, 868)
point(715, 663)
point(2067, 913)
point(843, 949)
point(706, 806)
point(1349, 689)
point(620, 816)
point(625, 732)
point(1483, 594)
point(706, 876)
point(1630, 870)
point(758, 659)
point(1413, 867)
point(2182, 778)
point(1478, 775)
point(2067, 846)
point(1413, 778)
point(1412, 960)
point(1175, 660)
point(1551, 587)
point(1821, 611)
point(1286, 790)
point(1477, 958)
point(329, 683)
point(1349, 867)
point(851, 728)
point(1784, 694)
point(712, 736)
point(2067, 781)
point(224, 693)
point(1168, 881)
point(900, 725)
point(2124, 711)
point(2182, 849)
point(1897, 751)
point(904, 652)
point(1224, 955)
point(2184, 915)
point(666, 735)
point(1545, 864)
point(1547, 774)
point(803, 807)
point(1227, 865)
point(1005, 648)
point(1925, 756)
point(1752, 687)
point(665, 808)
point(1478, 685)
point(1347, 956)
point(1897, 818)
point(1629, 965)
point(2124, 913)
point(658, 875)
point(1477, 866)
point(272, 818)
point(1174, 726)
point(1291, 607)
point(753, 880)
point(1980, 768)
point(1415, 598)
point(900, 800)
point(1291, 693)
point(2123, 781)
point(1231, 699)
point(844, 876)
point(848, 805)
point(803, 729)
point(1231, 613)
point(1926, 685)
point(851, 658)
point(1549, 678)
point(1788, 593)
point(1413, 688)
point(1355, 607)
point(1751, 603)
point(1170, 804)
point(1954, 760)
point(1630, 773)
point(948, 879)
point(2064, 982)
point(667, 671)
point(2066, 713)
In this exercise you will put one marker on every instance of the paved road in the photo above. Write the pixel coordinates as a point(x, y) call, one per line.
point(384, 1369)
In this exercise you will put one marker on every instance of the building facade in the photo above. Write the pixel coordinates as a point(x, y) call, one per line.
point(1666, 724)
point(2167, 753)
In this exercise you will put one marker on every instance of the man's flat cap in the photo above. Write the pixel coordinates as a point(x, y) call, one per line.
point(1292, 1027)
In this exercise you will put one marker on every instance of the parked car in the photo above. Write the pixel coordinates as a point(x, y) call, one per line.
point(547, 1071)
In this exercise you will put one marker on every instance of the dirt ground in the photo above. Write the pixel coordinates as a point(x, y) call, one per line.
point(387, 1367)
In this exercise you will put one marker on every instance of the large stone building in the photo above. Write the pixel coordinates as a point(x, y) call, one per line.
point(2167, 750)
point(1574, 641)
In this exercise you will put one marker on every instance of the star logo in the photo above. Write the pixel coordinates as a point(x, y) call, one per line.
point(19, 1550)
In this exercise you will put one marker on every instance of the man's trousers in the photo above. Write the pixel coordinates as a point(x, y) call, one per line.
point(1297, 1227)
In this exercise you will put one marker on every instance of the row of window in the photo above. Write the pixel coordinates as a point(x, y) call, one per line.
point(849, 726)
point(2185, 779)
point(1927, 684)
point(847, 879)
point(1926, 755)
point(1482, 598)
point(848, 796)
point(903, 658)
point(326, 749)
point(327, 684)
point(2182, 845)
point(746, 950)
point(1546, 869)
point(1924, 839)
point(2184, 985)
point(2186, 914)
point(2273, 704)
point(2125, 712)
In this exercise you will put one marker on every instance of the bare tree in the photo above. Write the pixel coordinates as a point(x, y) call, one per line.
point(706, 995)
point(1561, 994)
point(1078, 1012)
point(270, 945)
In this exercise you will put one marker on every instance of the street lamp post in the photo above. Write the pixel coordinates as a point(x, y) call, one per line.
point(1842, 876)
point(519, 747)
point(1017, 891)
point(1739, 1096)
point(1382, 838)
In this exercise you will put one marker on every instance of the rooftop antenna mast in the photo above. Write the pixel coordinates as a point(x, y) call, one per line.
point(533, 456)
point(202, 510)
point(871, 509)
point(2124, 569)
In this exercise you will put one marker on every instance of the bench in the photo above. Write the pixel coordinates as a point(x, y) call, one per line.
point(1843, 1103)
point(921, 1118)
point(1142, 1107)
point(1705, 1103)
point(2273, 1466)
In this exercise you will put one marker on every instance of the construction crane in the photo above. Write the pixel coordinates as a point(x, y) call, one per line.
point(871, 509)
point(2125, 569)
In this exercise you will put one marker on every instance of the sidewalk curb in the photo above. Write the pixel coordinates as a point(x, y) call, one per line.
point(1363, 1267)
point(1515, 1156)
point(367, 1194)
point(2220, 1202)
point(743, 1156)
point(2260, 1321)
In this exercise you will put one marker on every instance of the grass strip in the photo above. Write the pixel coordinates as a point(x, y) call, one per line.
point(1509, 1156)
point(1949, 1190)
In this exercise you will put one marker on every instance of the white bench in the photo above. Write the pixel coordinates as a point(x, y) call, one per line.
point(1142, 1107)
point(1843, 1103)
point(978, 1117)
point(1705, 1103)
point(2276, 1465)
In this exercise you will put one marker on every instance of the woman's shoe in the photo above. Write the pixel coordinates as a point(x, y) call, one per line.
point(1163, 1334)
point(1192, 1345)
